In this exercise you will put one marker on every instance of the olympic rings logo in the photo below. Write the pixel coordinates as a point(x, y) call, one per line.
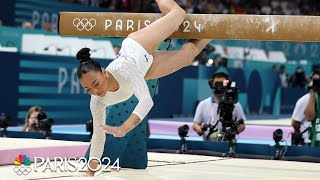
point(84, 23)
point(25, 170)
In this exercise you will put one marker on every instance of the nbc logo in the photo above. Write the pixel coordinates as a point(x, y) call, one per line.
point(22, 165)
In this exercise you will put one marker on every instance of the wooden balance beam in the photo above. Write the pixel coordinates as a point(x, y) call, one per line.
point(196, 26)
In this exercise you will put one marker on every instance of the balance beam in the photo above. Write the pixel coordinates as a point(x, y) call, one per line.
point(196, 26)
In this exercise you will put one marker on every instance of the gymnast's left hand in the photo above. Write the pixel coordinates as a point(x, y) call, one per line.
point(116, 131)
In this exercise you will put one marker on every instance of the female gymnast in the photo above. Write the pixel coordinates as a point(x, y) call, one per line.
point(138, 61)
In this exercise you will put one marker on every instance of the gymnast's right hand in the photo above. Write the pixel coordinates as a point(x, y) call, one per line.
point(93, 165)
point(88, 174)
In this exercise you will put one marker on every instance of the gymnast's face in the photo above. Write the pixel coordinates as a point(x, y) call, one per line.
point(95, 82)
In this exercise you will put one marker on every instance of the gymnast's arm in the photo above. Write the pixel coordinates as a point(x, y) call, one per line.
point(141, 91)
point(98, 111)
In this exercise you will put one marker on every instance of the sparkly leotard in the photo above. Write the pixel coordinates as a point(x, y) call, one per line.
point(129, 69)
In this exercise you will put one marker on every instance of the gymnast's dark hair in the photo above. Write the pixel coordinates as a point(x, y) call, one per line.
point(86, 63)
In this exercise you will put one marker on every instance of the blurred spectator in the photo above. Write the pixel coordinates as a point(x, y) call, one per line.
point(46, 26)
point(71, 1)
point(237, 7)
point(123, 5)
point(303, 7)
point(189, 7)
point(116, 49)
point(290, 8)
point(252, 8)
point(93, 3)
point(26, 25)
point(31, 121)
point(216, 60)
point(203, 56)
point(224, 62)
point(277, 10)
point(274, 68)
point(1, 23)
point(265, 7)
point(283, 76)
point(298, 79)
point(107, 4)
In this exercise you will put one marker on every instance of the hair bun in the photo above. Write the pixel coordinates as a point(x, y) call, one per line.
point(83, 55)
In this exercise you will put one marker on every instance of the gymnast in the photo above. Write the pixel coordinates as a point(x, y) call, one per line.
point(137, 61)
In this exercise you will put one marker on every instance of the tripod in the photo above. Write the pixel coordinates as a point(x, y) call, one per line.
point(232, 149)
point(5, 132)
point(184, 149)
point(278, 156)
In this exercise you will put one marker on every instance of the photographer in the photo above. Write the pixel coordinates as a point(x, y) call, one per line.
point(31, 122)
point(299, 122)
point(37, 121)
point(207, 113)
point(312, 110)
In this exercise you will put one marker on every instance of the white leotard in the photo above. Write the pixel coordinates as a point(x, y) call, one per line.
point(129, 69)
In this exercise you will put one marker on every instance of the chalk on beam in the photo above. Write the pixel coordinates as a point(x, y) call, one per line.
point(196, 26)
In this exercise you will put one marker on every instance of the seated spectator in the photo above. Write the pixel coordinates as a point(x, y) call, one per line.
point(31, 121)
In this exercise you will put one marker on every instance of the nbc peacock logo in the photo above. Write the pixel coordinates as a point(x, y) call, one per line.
point(22, 165)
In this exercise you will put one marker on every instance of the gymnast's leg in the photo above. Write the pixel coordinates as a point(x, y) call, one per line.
point(151, 36)
point(167, 62)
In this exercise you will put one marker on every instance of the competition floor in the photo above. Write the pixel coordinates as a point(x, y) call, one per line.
point(178, 167)
point(166, 166)
point(160, 165)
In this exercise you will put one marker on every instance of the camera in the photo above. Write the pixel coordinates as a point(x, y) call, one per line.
point(4, 123)
point(45, 123)
point(316, 85)
point(229, 97)
point(296, 138)
point(212, 129)
point(277, 137)
point(205, 127)
point(183, 131)
point(4, 120)
point(228, 90)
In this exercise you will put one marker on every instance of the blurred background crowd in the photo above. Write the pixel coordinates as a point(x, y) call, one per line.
point(267, 7)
